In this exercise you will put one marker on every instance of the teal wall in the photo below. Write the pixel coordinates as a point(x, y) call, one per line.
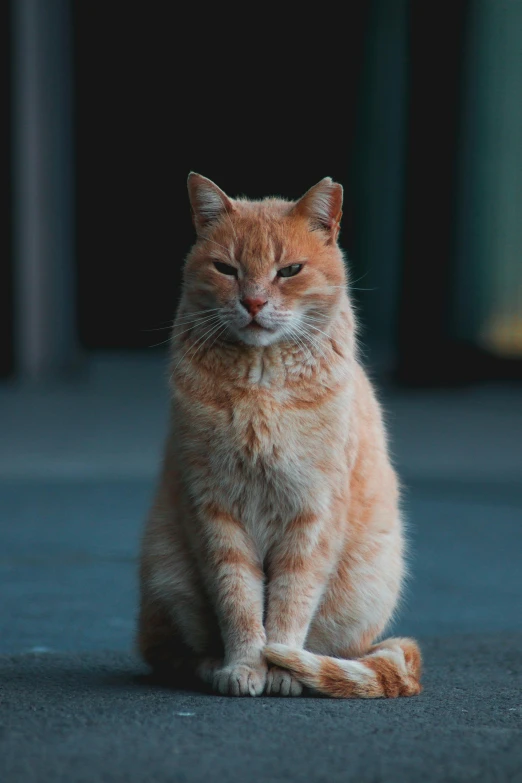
point(489, 228)
point(378, 177)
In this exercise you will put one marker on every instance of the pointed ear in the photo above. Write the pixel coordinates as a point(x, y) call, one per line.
point(208, 202)
point(322, 206)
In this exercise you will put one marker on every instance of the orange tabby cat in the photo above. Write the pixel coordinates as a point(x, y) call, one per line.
point(273, 554)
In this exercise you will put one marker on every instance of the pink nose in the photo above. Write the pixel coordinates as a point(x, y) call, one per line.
point(253, 304)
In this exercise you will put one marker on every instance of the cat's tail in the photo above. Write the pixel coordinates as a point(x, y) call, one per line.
point(389, 669)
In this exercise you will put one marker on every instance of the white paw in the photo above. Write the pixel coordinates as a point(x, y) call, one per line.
point(280, 682)
point(240, 679)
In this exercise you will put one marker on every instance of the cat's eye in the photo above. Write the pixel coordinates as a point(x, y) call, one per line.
point(225, 269)
point(290, 271)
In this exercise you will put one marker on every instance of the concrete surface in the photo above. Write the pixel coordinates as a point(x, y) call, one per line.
point(91, 716)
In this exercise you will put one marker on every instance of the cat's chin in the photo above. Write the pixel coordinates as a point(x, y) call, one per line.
point(258, 336)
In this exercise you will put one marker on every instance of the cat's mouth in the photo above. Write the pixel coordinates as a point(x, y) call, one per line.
point(255, 333)
point(254, 325)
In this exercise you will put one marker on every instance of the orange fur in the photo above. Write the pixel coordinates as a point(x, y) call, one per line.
point(275, 536)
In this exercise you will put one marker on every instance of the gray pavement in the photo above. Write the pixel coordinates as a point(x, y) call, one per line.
point(92, 717)
point(77, 468)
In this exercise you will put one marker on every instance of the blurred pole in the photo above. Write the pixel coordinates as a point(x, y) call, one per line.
point(489, 284)
point(43, 188)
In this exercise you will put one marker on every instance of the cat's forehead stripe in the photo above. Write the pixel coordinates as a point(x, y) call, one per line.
point(259, 246)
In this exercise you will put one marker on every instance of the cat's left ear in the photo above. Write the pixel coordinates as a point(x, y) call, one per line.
point(208, 202)
point(322, 206)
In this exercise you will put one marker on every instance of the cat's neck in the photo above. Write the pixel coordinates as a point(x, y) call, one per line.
point(321, 359)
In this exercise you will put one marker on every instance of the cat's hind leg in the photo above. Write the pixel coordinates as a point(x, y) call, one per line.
point(158, 640)
point(176, 624)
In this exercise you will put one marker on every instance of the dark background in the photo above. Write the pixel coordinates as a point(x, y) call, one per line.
point(384, 100)
point(415, 108)
point(270, 110)
point(264, 118)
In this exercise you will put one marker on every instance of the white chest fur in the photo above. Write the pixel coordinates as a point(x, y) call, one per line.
point(264, 457)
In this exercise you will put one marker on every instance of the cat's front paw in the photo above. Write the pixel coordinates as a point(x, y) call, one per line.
point(280, 682)
point(240, 679)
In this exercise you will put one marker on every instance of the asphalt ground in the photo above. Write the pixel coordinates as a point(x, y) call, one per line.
point(77, 705)
point(77, 470)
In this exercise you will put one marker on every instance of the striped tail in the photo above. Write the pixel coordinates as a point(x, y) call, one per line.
point(391, 668)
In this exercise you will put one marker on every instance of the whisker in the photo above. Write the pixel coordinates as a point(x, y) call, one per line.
point(161, 328)
point(198, 341)
point(305, 327)
point(218, 336)
point(311, 326)
point(359, 278)
point(213, 331)
point(158, 329)
point(205, 322)
point(163, 342)
point(208, 326)
point(350, 287)
point(208, 239)
point(199, 319)
point(315, 342)
point(182, 321)
point(320, 320)
point(300, 343)
point(197, 313)
point(302, 340)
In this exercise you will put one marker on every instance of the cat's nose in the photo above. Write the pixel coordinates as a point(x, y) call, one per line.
point(253, 304)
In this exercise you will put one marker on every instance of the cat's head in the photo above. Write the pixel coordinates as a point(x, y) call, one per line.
point(268, 269)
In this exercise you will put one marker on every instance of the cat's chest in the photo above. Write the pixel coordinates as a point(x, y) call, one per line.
point(272, 445)
point(263, 427)
point(265, 460)
point(261, 450)
point(258, 425)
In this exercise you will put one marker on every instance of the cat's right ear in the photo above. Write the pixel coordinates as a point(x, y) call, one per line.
point(322, 206)
point(208, 202)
